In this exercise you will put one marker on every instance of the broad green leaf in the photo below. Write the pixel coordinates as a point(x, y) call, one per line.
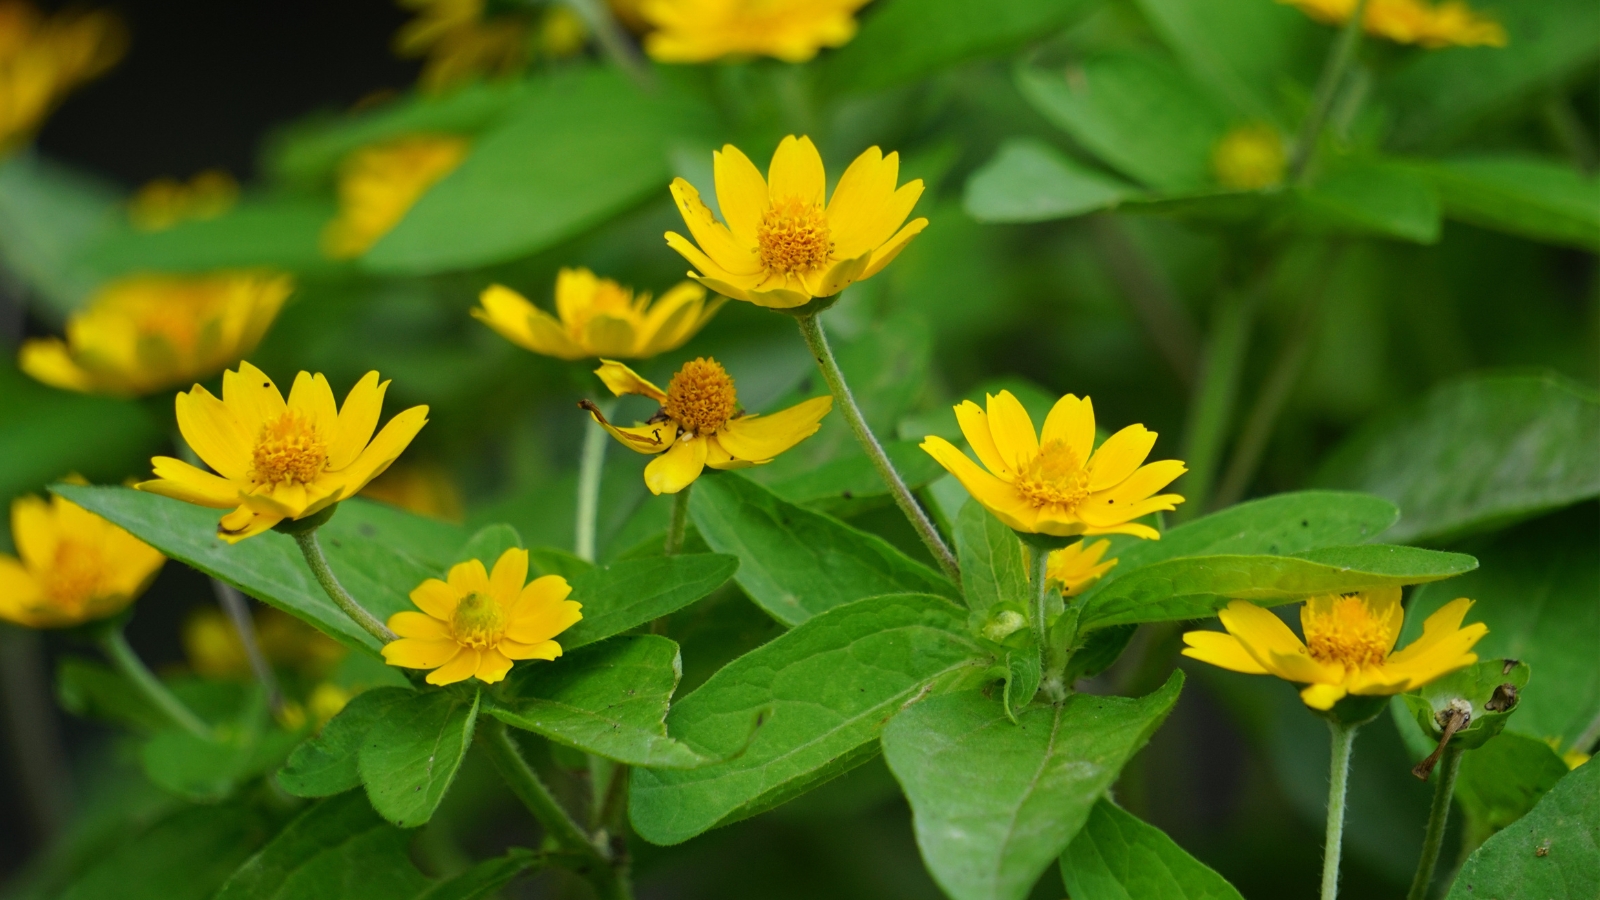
point(1118, 857)
point(1534, 197)
point(1244, 51)
point(1372, 198)
point(280, 232)
point(184, 856)
point(994, 803)
point(1477, 454)
point(411, 753)
point(822, 693)
point(326, 764)
point(849, 484)
point(337, 850)
point(485, 878)
point(1024, 672)
point(631, 592)
point(48, 212)
point(796, 563)
point(550, 561)
point(96, 691)
point(1552, 853)
point(1477, 686)
point(207, 771)
point(609, 699)
point(1030, 181)
point(488, 543)
point(1501, 781)
point(994, 563)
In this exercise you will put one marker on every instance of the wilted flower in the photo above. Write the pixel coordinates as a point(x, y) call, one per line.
point(43, 58)
point(598, 317)
point(1449, 24)
point(378, 185)
point(691, 31)
point(71, 566)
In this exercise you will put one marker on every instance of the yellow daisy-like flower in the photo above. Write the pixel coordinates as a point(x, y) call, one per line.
point(781, 245)
point(1349, 645)
point(378, 185)
point(165, 202)
point(461, 43)
point(1448, 24)
point(147, 333)
point(700, 424)
point(1249, 158)
point(1051, 483)
point(280, 460)
point(475, 624)
point(598, 317)
point(215, 650)
point(71, 565)
point(43, 59)
point(693, 31)
point(1076, 567)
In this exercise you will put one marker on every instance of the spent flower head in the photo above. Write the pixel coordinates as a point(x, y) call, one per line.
point(694, 31)
point(598, 318)
point(379, 184)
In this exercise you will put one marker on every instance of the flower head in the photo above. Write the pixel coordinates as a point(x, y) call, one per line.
point(460, 43)
point(475, 624)
point(1051, 483)
point(1448, 24)
point(598, 317)
point(1076, 567)
point(700, 424)
point(781, 245)
point(147, 333)
point(280, 460)
point(1349, 645)
point(43, 59)
point(692, 31)
point(165, 202)
point(1249, 158)
point(71, 565)
point(214, 648)
point(378, 185)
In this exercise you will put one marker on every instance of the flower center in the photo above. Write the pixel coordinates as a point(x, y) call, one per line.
point(478, 621)
point(1347, 633)
point(74, 575)
point(793, 237)
point(289, 451)
point(1055, 476)
point(701, 397)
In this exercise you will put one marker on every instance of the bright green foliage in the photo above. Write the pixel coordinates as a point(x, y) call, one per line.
point(337, 850)
point(283, 232)
point(483, 879)
point(631, 592)
point(1501, 781)
point(849, 484)
point(1524, 195)
point(994, 563)
point(995, 802)
point(1030, 181)
point(97, 691)
point(1244, 52)
point(1024, 671)
point(1477, 685)
point(1552, 852)
point(326, 764)
point(411, 753)
point(1373, 198)
point(1118, 857)
point(185, 856)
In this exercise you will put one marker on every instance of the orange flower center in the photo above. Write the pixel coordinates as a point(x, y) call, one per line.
point(701, 397)
point(478, 621)
point(1348, 633)
point(1055, 477)
point(793, 237)
point(73, 578)
point(289, 451)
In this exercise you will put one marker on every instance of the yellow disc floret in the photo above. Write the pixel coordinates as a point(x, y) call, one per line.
point(701, 398)
point(1055, 477)
point(793, 237)
point(478, 621)
point(289, 450)
point(1347, 631)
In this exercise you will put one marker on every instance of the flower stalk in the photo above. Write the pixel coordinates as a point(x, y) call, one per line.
point(115, 645)
point(591, 466)
point(1333, 72)
point(1343, 738)
point(679, 524)
point(311, 548)
point(1444, 788)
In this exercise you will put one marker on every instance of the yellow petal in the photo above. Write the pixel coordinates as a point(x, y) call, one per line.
point(49, 361)
point(357, 420)
point(35, 532)
point(1119, 457)
point(886, 253)
point(775, 298)
point(718, 457)
point(1136, 487)
point(384, 449)
point(1222, 650)
point(610, 336)
point(411, 653)
point(1445, 621)
point(543, 592)
point(510, 572)
point(841, 275)
point(759, 438)
point(252, 398)
point(312, 397)
point(410, 624)
point(436, 598)
point(1133, 528)
point(1264, 636)
point(996, 496)
point(181, 481)
point(215, 434)
point(1104, 511)
point(1322, 696)
point(868, 229)
point(642, 438)
point(711, 273)
point(623, 380)
point(1012, 429)
point(865, 188)
point(1071, 421)
point(796, 172)
point(459, 668)
point(974, 424)
point(492, 666)
point(469, 577)
point(543, 621)
point(520, 322)
point(245, 522)
point(713, 237)
point(741, 192)
point(677, 468)
point(540, 650)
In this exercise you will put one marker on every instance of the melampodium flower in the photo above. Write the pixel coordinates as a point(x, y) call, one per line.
point(43, 59)
point(700, 424)
point(71, 565)
point(378, 185)
point(1249, 158)
point(165, 202)
point(1449, 24)
point(598, 318)
point(280, 460)
point(476, 623)
point(147, 333)
point(461, 43)
point(692, 31)
point(781, 246)
point(1349, 645)
point(1075, 567)
point(1051, 483)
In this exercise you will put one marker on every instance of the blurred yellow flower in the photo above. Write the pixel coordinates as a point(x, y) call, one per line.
point(1349, 645)
point(280, 460)
point(1050, 483)
point(781, 247)
point(44, 58)
point(1249, 158)
point(147, 333)
point(215, 650)
point(165, 202)
point(1075, 567)
point(71, 565)
point(326, 701)
point(475, 624)
point(1448, 24)
point(692, 31)
point(378, 185)
point(700, 424)
point(460, 43)
point(598, 317)
point(422, 488)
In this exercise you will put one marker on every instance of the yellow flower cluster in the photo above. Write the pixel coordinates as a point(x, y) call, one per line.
point(598, 317)
point(165, 202)
point(1448, 24)
point(379, 184)
point(43, 58)
point(71, 566)
point(691, 31)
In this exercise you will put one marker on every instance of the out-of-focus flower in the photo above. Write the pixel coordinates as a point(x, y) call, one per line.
point(463, 40)
point(378, 185)
point(1249, 158)
point(147, 333)
point(598, 317)
point(71, 565)
point(1349, 645)
point(1075, 568)
point(475, 624)
point(422, 488)
point(628, 13)
point(1050, 482)
point(215, 650)
point(280, 460)
point(561, 32)
point(43, 58)
point(692, 31)
point(700, 424)
point(1448, 24)
point(781, 245)
point(326, 701)
point(165, 202)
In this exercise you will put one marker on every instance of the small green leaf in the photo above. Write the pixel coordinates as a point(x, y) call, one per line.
point(336, 850)
point(483, 879)
point(1553, 851)
point(550, 561)
point(96, 691)
point(488, 543)
point(850, 485)
point(1030, 181)
point(1245, 52)
point(1372, 198)
point(206, 771)
point(185, 856)
point(326, 764)
point(1537, 198)
point(1501, 781)
point(994, 564)
point(1477, 686)
point(1023, 674)
point(1118, 857)
point(411, 753)
point(631, 592)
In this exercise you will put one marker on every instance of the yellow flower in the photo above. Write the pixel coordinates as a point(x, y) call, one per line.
point(1249, 158)
point(1349, 645)
point(280, 460)
point(598, 318)
point(1449, 24)
point(1075, 567)
point(165, 202)
point(1051, 483)
point(378, 185)
point(476, 624)
point(147, 333)
point(461, 43)
point(215, 650)
point(427, 490)
point(326, 701)
point(700, 424)
point(692, 31)
point(42, 59)
point(71, 565)
point(781, 246)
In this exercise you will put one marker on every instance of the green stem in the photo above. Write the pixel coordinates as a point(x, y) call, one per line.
point(311, 548)
point(115, 645)
point(811, 330)
point(238, 612)
point(1444, 788)
point(1041, 588)
point(1333, 71)
point(679, 525)
point(614, 43)
point(1214, 399)
point(590, 467)
point(1338, 781)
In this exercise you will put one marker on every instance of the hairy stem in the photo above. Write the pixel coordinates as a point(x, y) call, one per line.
point(1333, 71)
point(1338, 782)
point(238, 612)
point(311, 548)
point(1041, 588)
point(679, 523)
point(115, 645)
point(590, 467)
point(1444, 788)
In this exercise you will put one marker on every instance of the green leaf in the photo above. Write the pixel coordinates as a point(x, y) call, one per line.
point(1024, 672)
point(550, 561)
point(1552, 852)
point(1245, 52)
point(1536, 198)
point(994, 564)
point(994, 803)
point(280, 232)
point(483, 879)
point(1476, 685)
point(609, 699)
point(185, 856)
point(796, 563)
point(632, 592)
point(207, 771)
point(1477, 454)
point(823, 690)
point(489, 543)
point(1030, 181)
point(1501, 781)
point(336, 850)
point(48, 212)
point(1118, 857)
point(411, 753)
point(326, 764)
point(850, 485)
point(1372, 198)
point(96, 691)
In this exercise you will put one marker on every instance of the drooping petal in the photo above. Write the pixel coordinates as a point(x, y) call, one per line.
point(974, 424)
point(35, 532)
point(606, 335)
point(713, 237)
point(759, 438)
point(412, 653)
point(997, 496)
point(181, 481)
point(886, 253)
point(436, 598)
point(647, 439)
point(796, 172)
point(510, 572)
point(1119, 457)
point(840, 276)
point(417, 625)
point(492, 666)
point(775, 298)
point(623, 380)
point(245, 522)
point(741, 192)
point(677, 468)
point(1071, 421)
point(459, 668)
point(48, 360)
point(1012, 429)
point(718, 457)
point(1223, 650)
point(710, 273)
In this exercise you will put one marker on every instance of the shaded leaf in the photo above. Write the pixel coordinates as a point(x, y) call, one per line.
point(1118, 857)
point(185, 856)
point(337, 850)
point(1537, 198)
point(280, 232)
point(208, 771)
point(411, 753)
point(1243, 51)
point(1552, 852)
point(326, 763)
point(994, 563)
point(1501, 781)
point(1030, 181)
point(630, 592)
point(850, 485)
point(483, 879)
point(97, 691)
point(1372, 198)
